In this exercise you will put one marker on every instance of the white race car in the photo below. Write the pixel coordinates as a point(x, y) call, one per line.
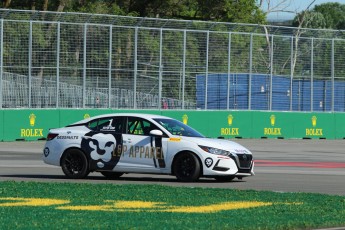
point(114, 144)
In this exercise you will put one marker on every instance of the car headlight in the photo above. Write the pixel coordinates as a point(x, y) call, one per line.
point(215, 151)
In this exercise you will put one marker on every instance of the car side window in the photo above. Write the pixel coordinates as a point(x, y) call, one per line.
point(139, 126)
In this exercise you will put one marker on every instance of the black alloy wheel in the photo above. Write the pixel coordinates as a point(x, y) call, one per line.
point(187, 167)
point(74, 164)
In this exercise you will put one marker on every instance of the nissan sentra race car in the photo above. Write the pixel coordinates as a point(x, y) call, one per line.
point(114, 144)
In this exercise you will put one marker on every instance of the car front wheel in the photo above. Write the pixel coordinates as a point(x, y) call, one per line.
point(74, 164)
point(187, 167)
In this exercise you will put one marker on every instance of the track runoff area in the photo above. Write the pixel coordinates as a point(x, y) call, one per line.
point(301, 179)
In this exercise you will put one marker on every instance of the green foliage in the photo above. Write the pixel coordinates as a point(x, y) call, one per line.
point(245, 11)
point(327, 15)
point(310, 19)
point(333, 13)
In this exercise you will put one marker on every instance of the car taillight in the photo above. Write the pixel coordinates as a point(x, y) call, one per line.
point(51, 136)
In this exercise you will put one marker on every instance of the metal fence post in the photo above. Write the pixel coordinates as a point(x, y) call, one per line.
point(271, 74)
point(58, 64)
point(332, 75)
point(250, 72)
point(229, 72)
point(184, 66)
point(30, 63)
point(135, 67)
point(84, 65)
point(312, 76)
point(160, 85)
point(110, 60)
point(1, 59)
point(206, 70)
point(291, 72)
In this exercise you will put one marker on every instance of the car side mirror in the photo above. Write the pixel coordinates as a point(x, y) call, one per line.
point(156, 132)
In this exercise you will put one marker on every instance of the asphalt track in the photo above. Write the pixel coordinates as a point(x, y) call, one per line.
point(316, 166)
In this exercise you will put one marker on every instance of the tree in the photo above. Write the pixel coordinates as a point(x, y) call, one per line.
point(312, 19)
point(333, 13)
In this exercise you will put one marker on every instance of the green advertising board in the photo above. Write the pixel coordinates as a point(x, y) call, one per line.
point(314, 125)
point(34, 124)
point(339, 125)
point(70, 116)
point(198, 120)
point(225, 124)
point(28, 124)
point(272, 125)
point(231, 124)
point(1, 125)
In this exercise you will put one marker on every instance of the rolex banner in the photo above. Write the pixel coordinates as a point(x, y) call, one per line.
point(28, 124)
point(34, 124)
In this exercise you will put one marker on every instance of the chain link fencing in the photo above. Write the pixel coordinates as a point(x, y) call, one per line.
point(75, 60)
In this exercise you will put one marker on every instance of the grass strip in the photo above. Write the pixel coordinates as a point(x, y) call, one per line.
point(27, 205)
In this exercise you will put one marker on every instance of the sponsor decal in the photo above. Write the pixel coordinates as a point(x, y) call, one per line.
point(67, 137)
point(106, 150)
point(185, 119)
point(101, 151)
point(230, 119)
point(107, 128)
point(136, 151)
point(46, 152)
point(134, 206)
point(272, 131)
point(175, 139)
point(318, 132)
point(100, 147)
point(230, 131)
point(31, 132)
point(32, 119)
point(157, 146)
point(273, 119)
point(240, 150)
point(208, 162)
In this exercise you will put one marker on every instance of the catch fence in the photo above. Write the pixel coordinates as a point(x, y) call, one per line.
point(75, 60)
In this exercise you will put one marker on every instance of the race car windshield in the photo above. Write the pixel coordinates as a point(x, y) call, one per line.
point(177, 128)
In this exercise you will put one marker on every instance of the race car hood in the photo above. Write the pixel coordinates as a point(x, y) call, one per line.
point(219, 144)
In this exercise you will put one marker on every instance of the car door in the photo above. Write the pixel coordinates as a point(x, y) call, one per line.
point(142, 152)
point(102, 144)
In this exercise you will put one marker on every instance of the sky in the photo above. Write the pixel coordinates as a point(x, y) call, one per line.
point(295, 6)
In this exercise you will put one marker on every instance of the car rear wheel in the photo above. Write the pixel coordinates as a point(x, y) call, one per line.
point(187, 167)
point(74, 164)
point(112, 175)
point(224, 178)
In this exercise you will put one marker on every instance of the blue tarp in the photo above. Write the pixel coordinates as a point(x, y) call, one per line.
point(238, 85)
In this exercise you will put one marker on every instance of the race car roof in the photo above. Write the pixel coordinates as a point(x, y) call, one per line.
point(152, 116)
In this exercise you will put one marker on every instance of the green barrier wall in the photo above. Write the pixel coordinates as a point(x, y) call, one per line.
point(35, 124)
point(339, 120)
point(1, 125)
point(216, 123)
point(28, 124)
point(315, 125)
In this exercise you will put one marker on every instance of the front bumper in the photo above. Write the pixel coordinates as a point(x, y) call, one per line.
point(240, 165)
